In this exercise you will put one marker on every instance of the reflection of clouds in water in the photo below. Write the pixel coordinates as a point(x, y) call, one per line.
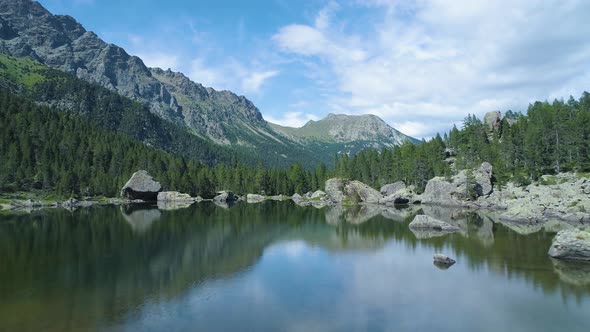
point(293, 249)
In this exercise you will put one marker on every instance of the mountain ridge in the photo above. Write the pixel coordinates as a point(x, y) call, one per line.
point(345, 128)
point(27, 29)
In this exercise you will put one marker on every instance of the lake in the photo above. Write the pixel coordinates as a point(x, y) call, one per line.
point(276, 266)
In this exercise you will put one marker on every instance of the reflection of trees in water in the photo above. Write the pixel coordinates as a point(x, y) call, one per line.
point(93, 264)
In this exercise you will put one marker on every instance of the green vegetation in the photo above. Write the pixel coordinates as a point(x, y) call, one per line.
point(92, 148)
point(51, 151)
point(23, 71)
point(551, 138)
point(109, 110)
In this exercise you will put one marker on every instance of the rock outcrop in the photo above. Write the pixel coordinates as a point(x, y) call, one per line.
point(360, 192)
point(406, 195)
point(571, 244)
point(335, 189)
point(174, 196)
point(317, 199)
point(319, 195)
point(493, 120)
point(225, 197)
point(564, 196)
point(466, 185)
point(392, 188)
point(351, 192)
point(141, 186)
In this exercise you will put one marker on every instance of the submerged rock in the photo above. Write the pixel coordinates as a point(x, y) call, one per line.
point(571, 244)
point(141, 186)
point(443, 259)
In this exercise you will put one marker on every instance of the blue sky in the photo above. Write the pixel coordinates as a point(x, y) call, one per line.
point(421, 65)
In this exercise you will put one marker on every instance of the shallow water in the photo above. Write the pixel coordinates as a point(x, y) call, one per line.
point(277, 266)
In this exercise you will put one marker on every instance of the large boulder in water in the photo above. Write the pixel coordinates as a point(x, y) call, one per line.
point(406, 195)
point(571, 244)
point(335, 189)
point(141, 186)
point(361, 192)
point(225, 196)
point(351, 192)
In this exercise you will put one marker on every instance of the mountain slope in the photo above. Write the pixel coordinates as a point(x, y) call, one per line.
point(60, 42)
point(106, 109)
point(221, 117)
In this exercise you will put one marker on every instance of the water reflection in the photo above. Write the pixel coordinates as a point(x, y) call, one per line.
point(140, 217)
point(93, 268)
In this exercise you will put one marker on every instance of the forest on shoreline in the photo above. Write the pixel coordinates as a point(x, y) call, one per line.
point(49, 151)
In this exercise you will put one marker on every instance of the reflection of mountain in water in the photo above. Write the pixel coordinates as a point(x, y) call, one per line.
point(91, 265)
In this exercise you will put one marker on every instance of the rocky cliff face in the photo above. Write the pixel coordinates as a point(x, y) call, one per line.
point(28, 29)
point(221, 115)
point(60, 42)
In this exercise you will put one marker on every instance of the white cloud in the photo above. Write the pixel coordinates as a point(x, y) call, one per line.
point(292, 119)
point(206, 75)
point(231, 75)
point(421, 64)
point(254, 80)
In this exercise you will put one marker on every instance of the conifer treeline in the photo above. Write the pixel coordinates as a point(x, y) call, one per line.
point(551, 138)
point(51, 151)
point(57, 152)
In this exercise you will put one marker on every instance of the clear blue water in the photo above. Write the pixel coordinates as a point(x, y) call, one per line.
point(279, 267)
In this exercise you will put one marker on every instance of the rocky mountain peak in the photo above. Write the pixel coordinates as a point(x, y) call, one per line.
point(343, 128)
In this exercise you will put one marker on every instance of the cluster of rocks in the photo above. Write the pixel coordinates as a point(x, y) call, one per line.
point(318, 198)
point(458, 190)
point(29, 204)
point(565, 196)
